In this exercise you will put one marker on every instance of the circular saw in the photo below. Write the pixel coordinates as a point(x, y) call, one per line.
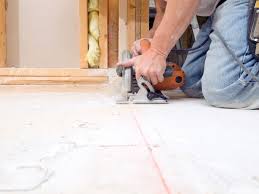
point(141, 91)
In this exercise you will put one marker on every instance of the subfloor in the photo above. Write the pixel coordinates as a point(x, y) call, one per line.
point(76, 140)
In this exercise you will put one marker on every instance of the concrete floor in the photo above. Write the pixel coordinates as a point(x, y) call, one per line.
point(76, 140)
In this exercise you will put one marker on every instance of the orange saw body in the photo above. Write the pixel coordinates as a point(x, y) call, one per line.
point(173, 81)
point(141, 91)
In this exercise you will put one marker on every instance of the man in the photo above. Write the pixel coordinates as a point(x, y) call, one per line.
point(211, 71)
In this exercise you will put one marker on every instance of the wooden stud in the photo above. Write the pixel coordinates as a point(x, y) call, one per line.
point(113, 32)
point(103, 25)
point(83, 33)
point(131, 27)
point(123, 22)
point(138, 19)
point(20, 76)
point(2, 33)
point(144, 18)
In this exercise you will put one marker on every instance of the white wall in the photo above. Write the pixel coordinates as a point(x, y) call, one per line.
point(46, 33)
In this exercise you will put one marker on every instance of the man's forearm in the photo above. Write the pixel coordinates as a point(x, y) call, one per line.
point(157, 22)
point(160, 6)
point(176, 19)
point(160, 10)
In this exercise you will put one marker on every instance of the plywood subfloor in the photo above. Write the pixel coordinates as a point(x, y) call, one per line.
point(75, 139)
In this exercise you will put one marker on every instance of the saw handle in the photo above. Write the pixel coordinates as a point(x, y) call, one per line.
point(145, 45)
point(169, 71)
point(174, 75)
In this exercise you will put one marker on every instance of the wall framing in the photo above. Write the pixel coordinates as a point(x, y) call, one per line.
point(137, 20)
point(2, 33)
point(18, 76)
point(137, 26)
point(133, 22)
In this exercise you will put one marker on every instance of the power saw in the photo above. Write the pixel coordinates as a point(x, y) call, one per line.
point(141, 91)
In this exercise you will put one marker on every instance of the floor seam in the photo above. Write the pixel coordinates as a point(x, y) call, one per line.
point(154, 161)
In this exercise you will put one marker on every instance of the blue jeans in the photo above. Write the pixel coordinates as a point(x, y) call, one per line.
point(211, 72)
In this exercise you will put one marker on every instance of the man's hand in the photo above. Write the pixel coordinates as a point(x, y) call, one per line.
point(151, 65)
point(136, 48)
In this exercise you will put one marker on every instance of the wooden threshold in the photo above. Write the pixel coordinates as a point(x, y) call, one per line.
point(46, 76)
point(52, 72)
point(5, 80)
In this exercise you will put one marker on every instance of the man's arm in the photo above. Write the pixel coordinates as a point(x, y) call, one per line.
point(160, 10)
point(177, 17)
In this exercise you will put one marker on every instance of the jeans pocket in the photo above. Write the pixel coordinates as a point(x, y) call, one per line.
point(252, 67)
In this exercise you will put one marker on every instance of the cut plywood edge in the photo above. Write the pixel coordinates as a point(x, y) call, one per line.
point(2, 33)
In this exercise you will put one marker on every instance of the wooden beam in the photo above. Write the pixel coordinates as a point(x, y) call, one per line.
point(144, 18)
point(51, 80)
point(123, 22)
point(2, 33)
point(83, 32)
point(103, 25)
point(138, 19)
point(131, 27)
point(113, 32)
point(53, 72)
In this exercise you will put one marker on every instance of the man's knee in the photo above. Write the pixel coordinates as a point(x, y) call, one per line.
point(229, 86)
point(215, 97)
point(229, 96)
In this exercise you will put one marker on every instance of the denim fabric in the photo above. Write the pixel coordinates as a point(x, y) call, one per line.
point(211, 72)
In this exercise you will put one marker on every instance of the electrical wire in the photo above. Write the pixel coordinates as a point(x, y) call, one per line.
point(248, 72)
point(240, 63)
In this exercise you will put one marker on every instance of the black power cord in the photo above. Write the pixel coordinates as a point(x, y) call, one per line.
point(248, 72)
point(240, 63)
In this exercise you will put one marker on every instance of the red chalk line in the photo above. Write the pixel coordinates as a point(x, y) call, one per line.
point(154, 161)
